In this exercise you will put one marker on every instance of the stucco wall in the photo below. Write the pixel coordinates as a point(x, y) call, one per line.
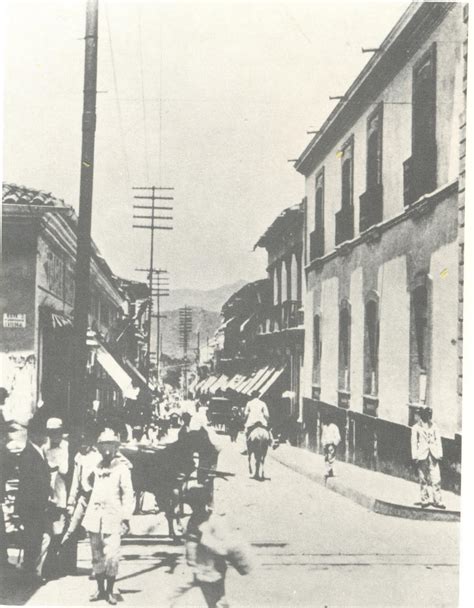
point(397, 110)
point(444, 359)
point(394, 311)
point(329, 333)
point(425, 242)
point(18, 362)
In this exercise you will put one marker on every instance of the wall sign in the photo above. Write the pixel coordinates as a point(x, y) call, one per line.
point(15, 321)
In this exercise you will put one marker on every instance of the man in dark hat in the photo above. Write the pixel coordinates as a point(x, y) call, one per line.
point(32, 500)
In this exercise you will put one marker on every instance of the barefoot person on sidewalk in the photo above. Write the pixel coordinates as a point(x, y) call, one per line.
point(330, 439)
point(427, 451)
point(107, 516)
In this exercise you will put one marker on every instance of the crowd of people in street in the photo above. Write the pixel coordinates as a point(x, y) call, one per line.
point(63, 494)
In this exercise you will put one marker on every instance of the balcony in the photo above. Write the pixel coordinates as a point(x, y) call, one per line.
point(281, 317)
point(345, 224)
point(371, 207)
point(292, 315)
point(316, 244)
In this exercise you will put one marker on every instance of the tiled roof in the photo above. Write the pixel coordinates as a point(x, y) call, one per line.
point(20, 195)
point(282, 222)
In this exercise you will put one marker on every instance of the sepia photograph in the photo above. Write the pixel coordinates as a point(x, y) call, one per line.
point(232, 303)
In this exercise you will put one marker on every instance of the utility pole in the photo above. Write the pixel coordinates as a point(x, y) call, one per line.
point(152, 226)
point(185, 327)
point(161, 290)
point(83, 250)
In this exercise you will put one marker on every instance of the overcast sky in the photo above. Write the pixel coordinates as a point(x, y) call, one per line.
point(240, 83)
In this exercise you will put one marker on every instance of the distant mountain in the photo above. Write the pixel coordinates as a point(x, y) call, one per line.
point(204, 322)
point(209, 300)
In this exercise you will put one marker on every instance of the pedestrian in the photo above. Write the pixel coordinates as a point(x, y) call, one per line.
point(184, 430)
point(210, 548)
point(4, 461)
point(85, 461)
point(427, 451)
point(108, 513)
point(32, 500)
point(56, 451)
point(330, 439)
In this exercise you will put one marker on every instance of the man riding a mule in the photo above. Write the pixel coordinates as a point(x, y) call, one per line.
point(256, 415)
point(258, 433)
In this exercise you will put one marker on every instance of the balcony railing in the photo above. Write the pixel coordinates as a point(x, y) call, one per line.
point(371, 207)
point(281, 316)
point(316, 244)
point(292, 314)
point(345, 224)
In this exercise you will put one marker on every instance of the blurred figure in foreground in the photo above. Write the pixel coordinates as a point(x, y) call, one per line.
point(210, 548)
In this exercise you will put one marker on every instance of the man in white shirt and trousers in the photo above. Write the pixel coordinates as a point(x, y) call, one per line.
point(108, 512)
point(330, 439)
point(427, 451)
point(256, 414)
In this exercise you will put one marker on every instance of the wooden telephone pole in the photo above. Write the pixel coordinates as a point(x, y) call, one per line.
point(83, 255)
point(151, 225)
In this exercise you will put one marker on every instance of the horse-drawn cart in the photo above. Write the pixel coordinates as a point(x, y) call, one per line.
point(168, 471)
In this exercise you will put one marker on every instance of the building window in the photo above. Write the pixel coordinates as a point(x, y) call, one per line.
point(347, 169)
point(371, 345)
point(317, 350)
point(345, 217)
point(374, 148)
point(344, 346)
point(420, 173)
point(420, 340)
point(317, 237)
point(371, 202)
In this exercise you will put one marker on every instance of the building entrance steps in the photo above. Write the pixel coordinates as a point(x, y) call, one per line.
point(381, 493)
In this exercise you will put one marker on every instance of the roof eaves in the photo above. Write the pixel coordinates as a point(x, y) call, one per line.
point(415, 10)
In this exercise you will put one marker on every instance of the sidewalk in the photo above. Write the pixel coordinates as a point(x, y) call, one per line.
point(378, 492)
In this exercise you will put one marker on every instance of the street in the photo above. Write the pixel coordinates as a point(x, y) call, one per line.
point(312, 547)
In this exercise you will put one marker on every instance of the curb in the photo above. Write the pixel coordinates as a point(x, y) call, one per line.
point(376, 505)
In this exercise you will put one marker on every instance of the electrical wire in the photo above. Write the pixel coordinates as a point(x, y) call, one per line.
point(140, 44)
point(117, 98)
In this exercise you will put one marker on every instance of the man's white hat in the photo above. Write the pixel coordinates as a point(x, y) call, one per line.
point(54, 424)
point(108, 436)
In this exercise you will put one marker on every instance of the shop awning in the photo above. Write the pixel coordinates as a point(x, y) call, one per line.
point(260, 378)
point(207, 383)
point(113, 368)
point(238, 387)
point(139, 376)
point(221, 384)
point(235, 380)
point(60, 320)
point(270, 381)
point(251, 379)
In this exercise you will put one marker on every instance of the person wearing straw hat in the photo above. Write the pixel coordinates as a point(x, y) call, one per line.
point(107, 516)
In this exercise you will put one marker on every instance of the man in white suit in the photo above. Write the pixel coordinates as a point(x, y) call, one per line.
point(427, 451)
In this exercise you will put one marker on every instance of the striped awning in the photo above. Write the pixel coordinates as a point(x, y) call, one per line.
point(270, 381)
point(220, 384)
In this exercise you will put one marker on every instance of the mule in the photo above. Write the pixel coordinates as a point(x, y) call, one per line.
point(258, 443)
